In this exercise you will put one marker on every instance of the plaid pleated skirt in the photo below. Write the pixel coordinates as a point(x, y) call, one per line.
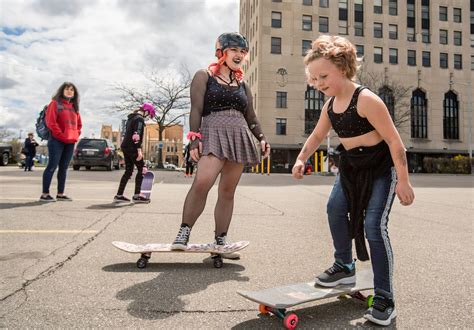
point(226, 135)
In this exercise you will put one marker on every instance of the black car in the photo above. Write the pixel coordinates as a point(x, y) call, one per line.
point(95, 152)
point(6, 152)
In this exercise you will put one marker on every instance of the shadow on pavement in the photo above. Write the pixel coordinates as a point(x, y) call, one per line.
point(108, 206)
point(160, 297)
point(4, 206)
point(333, 315)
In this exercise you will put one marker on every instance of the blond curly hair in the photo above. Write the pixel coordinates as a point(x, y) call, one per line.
point(336, 49)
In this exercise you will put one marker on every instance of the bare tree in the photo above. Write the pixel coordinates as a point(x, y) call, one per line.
point(5, 133)
point(168, 92)
point(394, 93)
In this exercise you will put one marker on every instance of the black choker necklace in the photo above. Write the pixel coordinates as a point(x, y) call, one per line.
point(228, 83)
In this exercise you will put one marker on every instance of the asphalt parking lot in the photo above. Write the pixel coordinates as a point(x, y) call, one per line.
point(59, 269)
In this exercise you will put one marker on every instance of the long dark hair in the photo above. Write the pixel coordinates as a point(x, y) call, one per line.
point(60, 94)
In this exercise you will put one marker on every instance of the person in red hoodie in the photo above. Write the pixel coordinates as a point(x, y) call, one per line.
point(65, 125)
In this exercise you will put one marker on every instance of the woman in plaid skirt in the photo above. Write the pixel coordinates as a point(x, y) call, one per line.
point(223, 135)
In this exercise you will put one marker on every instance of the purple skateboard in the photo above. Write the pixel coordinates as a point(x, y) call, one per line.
point(147, 184)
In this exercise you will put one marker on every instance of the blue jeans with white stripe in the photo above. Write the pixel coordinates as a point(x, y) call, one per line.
point(376, 220)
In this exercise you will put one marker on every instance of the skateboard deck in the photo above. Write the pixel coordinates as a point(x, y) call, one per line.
point(294, 294)
point(277, 300)
point(147, 184)
point(192, 248)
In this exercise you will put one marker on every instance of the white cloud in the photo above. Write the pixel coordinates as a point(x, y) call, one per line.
point(96, 44)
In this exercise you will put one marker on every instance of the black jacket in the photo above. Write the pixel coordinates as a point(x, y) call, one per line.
point(30, 147)
point(135, 126)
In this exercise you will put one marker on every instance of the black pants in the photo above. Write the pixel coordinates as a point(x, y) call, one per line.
point(189, 168)
point(130, 158)
point(29, 162)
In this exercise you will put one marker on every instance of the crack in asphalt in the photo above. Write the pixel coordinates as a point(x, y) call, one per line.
point(52, 269)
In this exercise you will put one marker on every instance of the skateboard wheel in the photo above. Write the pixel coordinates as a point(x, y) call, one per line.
point(143, 261)
point(370, 300)
point(263, 309)
point(218, 263)
point(290, 321)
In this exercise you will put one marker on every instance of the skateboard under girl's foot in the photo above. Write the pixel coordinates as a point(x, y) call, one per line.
point(217, 252)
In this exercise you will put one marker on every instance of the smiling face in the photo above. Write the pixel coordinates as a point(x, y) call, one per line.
point(325, 76)
point(235, 57)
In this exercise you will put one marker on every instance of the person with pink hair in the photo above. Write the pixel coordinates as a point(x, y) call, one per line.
point(132, 152)
point(225, 135)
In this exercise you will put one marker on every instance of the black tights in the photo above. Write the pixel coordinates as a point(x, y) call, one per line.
point(209, 167)
point(130, 162)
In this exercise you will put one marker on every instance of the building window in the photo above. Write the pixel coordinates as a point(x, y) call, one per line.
point(378, 30)
point(378, 55)
point(425, 11)
point(393, 7)
point(426, 59)
point(323, 24)
point(450, 116)
point(458, 38)
point(307, 23)
point(359, 29)
point(393, 56)
point(386, 94)
point(419, 115)
point(393, 31)
point(443, 37)
point(308, 2)
point(276, 19)
point(425, 36)
point(411, 10)
point(324, 3)
point(360, 50)
point(343, 28)
point(276, 45)
point(411, 57)
point(280, 126)
point(411, 34)
point(443, 60)
point(457, 14)
point(458, 61)
point(443, 13)
point(313, 104)
point(472, 62)
point(281, 99)
point(306, 46)
point(378, 7)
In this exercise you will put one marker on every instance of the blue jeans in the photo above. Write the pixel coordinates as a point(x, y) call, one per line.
point(29, 162)
point(376, 220)
point(60, 154)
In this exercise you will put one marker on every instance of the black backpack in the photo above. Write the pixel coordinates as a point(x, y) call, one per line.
point(41, 129)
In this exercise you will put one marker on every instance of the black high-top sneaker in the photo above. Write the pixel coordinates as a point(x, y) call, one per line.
point(382, 311)
point(182, 239)
point(221, 239)
point(336, 275)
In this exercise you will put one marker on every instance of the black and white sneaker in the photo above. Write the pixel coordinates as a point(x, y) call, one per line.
point(221, 240)
point(140, 199)
point(47, 199)
point(382, 311)
point(182, 239)
point(63, 198)
point(335, 275)
point(121, 199)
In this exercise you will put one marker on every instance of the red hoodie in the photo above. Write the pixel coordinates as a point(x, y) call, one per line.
point(65, 125)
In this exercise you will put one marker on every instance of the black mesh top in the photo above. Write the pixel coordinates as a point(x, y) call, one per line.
point(349, 124)
point(221, 97)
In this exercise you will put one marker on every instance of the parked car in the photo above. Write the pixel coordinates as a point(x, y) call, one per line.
point(169, 166)
point(95, 152)
point(6, 152)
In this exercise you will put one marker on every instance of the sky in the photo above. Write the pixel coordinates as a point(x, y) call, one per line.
point(97, 44)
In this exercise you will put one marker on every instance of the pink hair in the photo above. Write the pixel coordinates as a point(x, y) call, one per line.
point(215, 66)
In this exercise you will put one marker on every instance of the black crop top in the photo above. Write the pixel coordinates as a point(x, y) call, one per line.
point(349, 124)
point(220, 97)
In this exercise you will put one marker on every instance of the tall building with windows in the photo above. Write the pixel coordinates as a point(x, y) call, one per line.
point(419, 53)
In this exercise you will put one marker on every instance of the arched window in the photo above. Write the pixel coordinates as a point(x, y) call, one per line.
point(450, 116)
point(386, 94)
point(419, 114)
point(313, 104)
